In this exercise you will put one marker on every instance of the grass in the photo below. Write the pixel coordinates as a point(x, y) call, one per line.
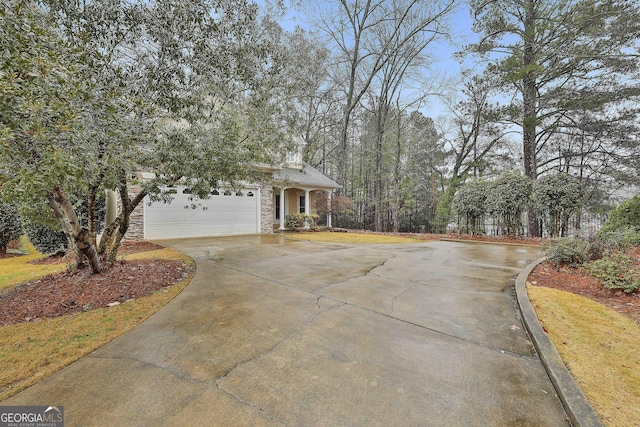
point(17, 270)
point(600, 347)
point(355, 238)
point(30, 352)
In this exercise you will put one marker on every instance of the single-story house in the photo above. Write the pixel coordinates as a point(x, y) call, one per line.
point(255, 208)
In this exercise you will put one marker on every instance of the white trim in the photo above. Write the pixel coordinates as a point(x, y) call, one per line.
point(145, 203)
point(258, 195)
point(307, 202)
point(329, 195)
point(298, 195)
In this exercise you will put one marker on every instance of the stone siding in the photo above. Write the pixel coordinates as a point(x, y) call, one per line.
point(136, 220)
point(266, 208)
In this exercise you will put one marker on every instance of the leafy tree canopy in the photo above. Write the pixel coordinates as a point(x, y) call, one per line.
point(92, 92)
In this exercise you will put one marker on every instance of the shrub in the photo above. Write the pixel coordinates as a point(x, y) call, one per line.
point(507, 199)
point(301, 220)
point(10, 225)
point(597, 247)
point(615, 271)
point(567, 250)
point(555, 198)
point(620, 238)
point(625, 215)
point(470, 202)
point(45, 239)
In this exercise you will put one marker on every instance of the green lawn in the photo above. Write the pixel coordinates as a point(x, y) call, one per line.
point(17, 270)
point(600, 347)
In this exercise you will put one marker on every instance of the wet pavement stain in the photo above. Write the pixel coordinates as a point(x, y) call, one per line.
point(277, 332)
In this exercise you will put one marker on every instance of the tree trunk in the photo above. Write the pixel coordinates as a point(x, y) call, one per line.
point(128, 205)
point(529, 94)
point(108, 236)
point(396, 176)
point(91, 213)
point(378, 178)
point(80, 236)
point(55, 208)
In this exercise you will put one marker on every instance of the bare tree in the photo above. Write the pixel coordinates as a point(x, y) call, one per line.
point(367, 34)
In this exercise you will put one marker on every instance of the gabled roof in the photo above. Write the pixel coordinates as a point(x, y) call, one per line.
point(306, 176)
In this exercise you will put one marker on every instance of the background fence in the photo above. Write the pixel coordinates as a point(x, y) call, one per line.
point(583, 224)
point(580, 224)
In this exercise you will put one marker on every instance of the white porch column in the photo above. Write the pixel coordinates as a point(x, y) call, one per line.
point(282, 212)
point(307, 204)
point(111, 201)
point(329, 193)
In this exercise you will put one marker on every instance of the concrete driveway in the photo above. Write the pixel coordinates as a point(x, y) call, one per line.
point(283, 332)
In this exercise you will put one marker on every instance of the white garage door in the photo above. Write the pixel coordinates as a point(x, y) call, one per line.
point(225, 213)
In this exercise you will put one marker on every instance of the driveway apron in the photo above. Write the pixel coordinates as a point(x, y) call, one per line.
point(274, 331)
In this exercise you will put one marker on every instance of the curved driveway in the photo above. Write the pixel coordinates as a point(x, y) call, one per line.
point(295, 333)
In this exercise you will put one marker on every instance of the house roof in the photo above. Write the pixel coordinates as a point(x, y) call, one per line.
point(306, 175)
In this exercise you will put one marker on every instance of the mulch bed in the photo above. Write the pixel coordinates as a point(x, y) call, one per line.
point(573, 280)
point(75, 291)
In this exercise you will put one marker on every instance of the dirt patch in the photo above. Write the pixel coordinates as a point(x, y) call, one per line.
point(574, 280)
point(71, 292)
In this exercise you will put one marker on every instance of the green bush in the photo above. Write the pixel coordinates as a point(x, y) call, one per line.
point(301, 220)
point(507, 198)
point(625, 215)
point(567, 250)
point(45, 239)
point(620, 238)
point(615, 271)
point(469, 202)
point(10, 225)
point(555, 198)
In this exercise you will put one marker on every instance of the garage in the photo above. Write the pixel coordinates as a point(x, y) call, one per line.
point(227, 212)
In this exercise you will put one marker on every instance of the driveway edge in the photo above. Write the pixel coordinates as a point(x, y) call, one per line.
point(580, 412)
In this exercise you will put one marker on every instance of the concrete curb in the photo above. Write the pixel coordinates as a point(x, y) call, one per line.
point(580, 412)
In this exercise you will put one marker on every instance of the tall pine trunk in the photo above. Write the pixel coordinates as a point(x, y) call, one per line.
point(529, 120)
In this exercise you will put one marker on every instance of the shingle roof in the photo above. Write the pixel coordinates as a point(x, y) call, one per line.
point(307, 176)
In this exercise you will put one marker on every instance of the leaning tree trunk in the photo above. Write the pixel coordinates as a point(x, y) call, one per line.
point(128, 205)
point(55, 208)
point(78, 235)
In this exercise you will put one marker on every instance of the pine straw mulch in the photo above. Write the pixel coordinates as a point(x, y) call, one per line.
point(574, 280)
point(74, 291)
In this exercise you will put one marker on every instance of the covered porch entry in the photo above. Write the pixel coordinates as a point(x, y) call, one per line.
point(296, 190)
